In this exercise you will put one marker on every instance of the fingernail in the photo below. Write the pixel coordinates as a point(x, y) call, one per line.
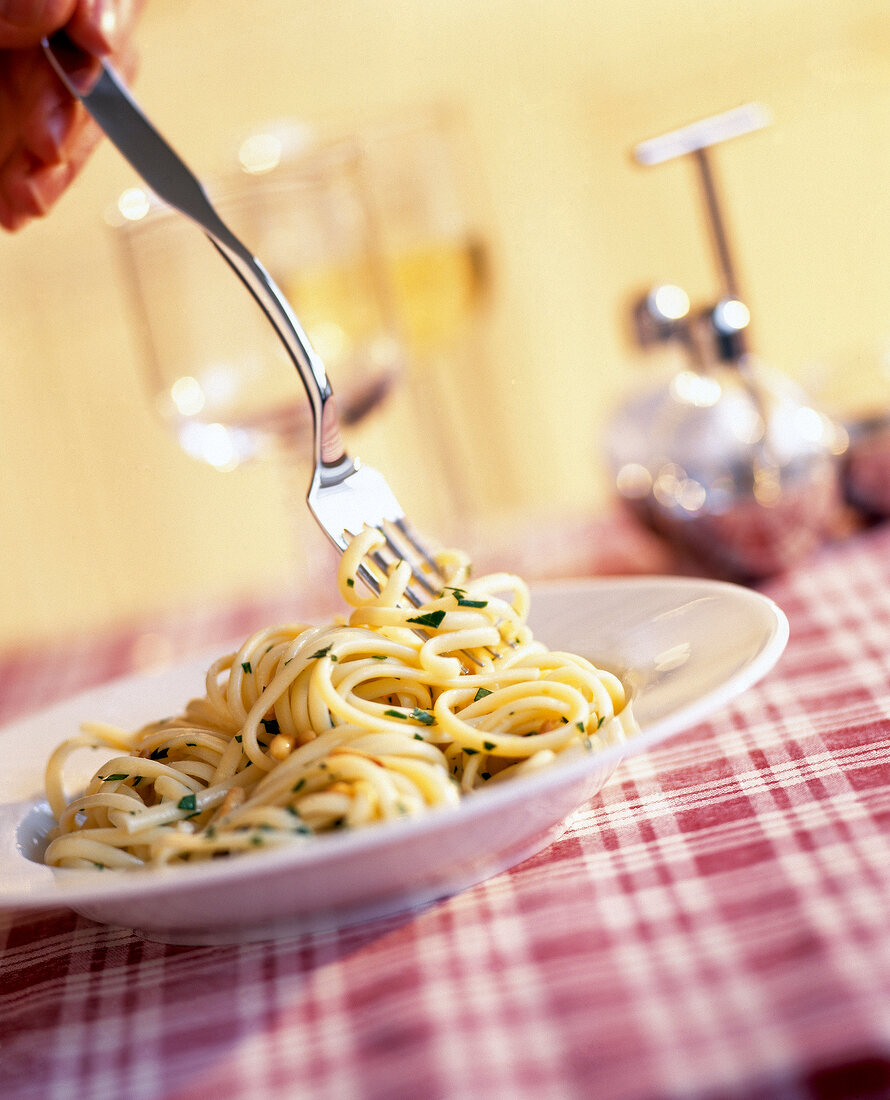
point(106, 21)
point(46, 185)
point(12, 219)
point(57, 125)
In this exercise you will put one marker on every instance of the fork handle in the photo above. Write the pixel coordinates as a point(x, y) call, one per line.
point(106, 98)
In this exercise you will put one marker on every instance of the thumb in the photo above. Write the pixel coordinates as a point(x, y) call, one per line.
point(24, 22)
point(101, 26)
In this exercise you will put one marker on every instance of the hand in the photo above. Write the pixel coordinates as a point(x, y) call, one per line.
point(45, 134)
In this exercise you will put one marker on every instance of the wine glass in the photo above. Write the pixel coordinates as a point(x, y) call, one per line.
point(419, 171)
point(215, 371)
point(432, 226)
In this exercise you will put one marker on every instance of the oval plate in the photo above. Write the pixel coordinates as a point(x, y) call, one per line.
point(683, 646)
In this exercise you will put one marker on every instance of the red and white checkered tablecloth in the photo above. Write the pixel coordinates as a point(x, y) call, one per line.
point(715, 925)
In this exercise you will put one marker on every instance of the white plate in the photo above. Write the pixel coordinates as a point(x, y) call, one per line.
point(684, 646)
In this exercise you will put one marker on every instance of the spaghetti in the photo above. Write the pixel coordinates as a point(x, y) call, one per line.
point(306, 729)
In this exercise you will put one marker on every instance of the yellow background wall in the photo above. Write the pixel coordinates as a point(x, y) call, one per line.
point(103, 518)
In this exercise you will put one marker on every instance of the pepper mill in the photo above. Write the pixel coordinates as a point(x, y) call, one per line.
point(728, 458)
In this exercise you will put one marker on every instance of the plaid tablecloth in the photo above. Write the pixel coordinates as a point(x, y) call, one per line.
point(715, 925)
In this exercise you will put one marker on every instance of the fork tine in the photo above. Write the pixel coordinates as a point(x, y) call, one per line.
point(359, 497)
point(370, 580)
point(385, 565)
point(348, 497)
point(416, 571)
point(411, 536)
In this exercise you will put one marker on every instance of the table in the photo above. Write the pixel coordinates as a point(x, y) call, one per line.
point(714, 924)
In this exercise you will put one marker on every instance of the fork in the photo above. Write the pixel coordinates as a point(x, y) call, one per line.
point(345, 496)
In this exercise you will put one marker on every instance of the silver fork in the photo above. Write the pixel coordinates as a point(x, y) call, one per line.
point(345, 496)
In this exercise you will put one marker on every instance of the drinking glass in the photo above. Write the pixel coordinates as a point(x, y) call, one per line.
point(422, 186)
point(432, 224)
point(216, 372)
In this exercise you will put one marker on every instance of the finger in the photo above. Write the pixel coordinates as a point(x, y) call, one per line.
point(10, 218)
point(51, 118)
point(43, 186)
point(84, 137)
point(41, 190)
point(49, 125)
point(102, 26)
point(24, 22)
point(51, 131)
point(18, 201)
point(36, 110)
point(32, 194)
point(29, 189)
point(57, 135)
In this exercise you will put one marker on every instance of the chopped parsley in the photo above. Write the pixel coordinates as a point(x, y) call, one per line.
point(246, 666)
point(480, 694)
point(187, 802)
point(271, 726)
point(322, 653)
point(350, 582)
point(471, 603)
point(432, 619)
point(580, 726)
point(489, 745)
point(116, 776)
point(417, 714)
point(471, 752)
point(158, 754)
